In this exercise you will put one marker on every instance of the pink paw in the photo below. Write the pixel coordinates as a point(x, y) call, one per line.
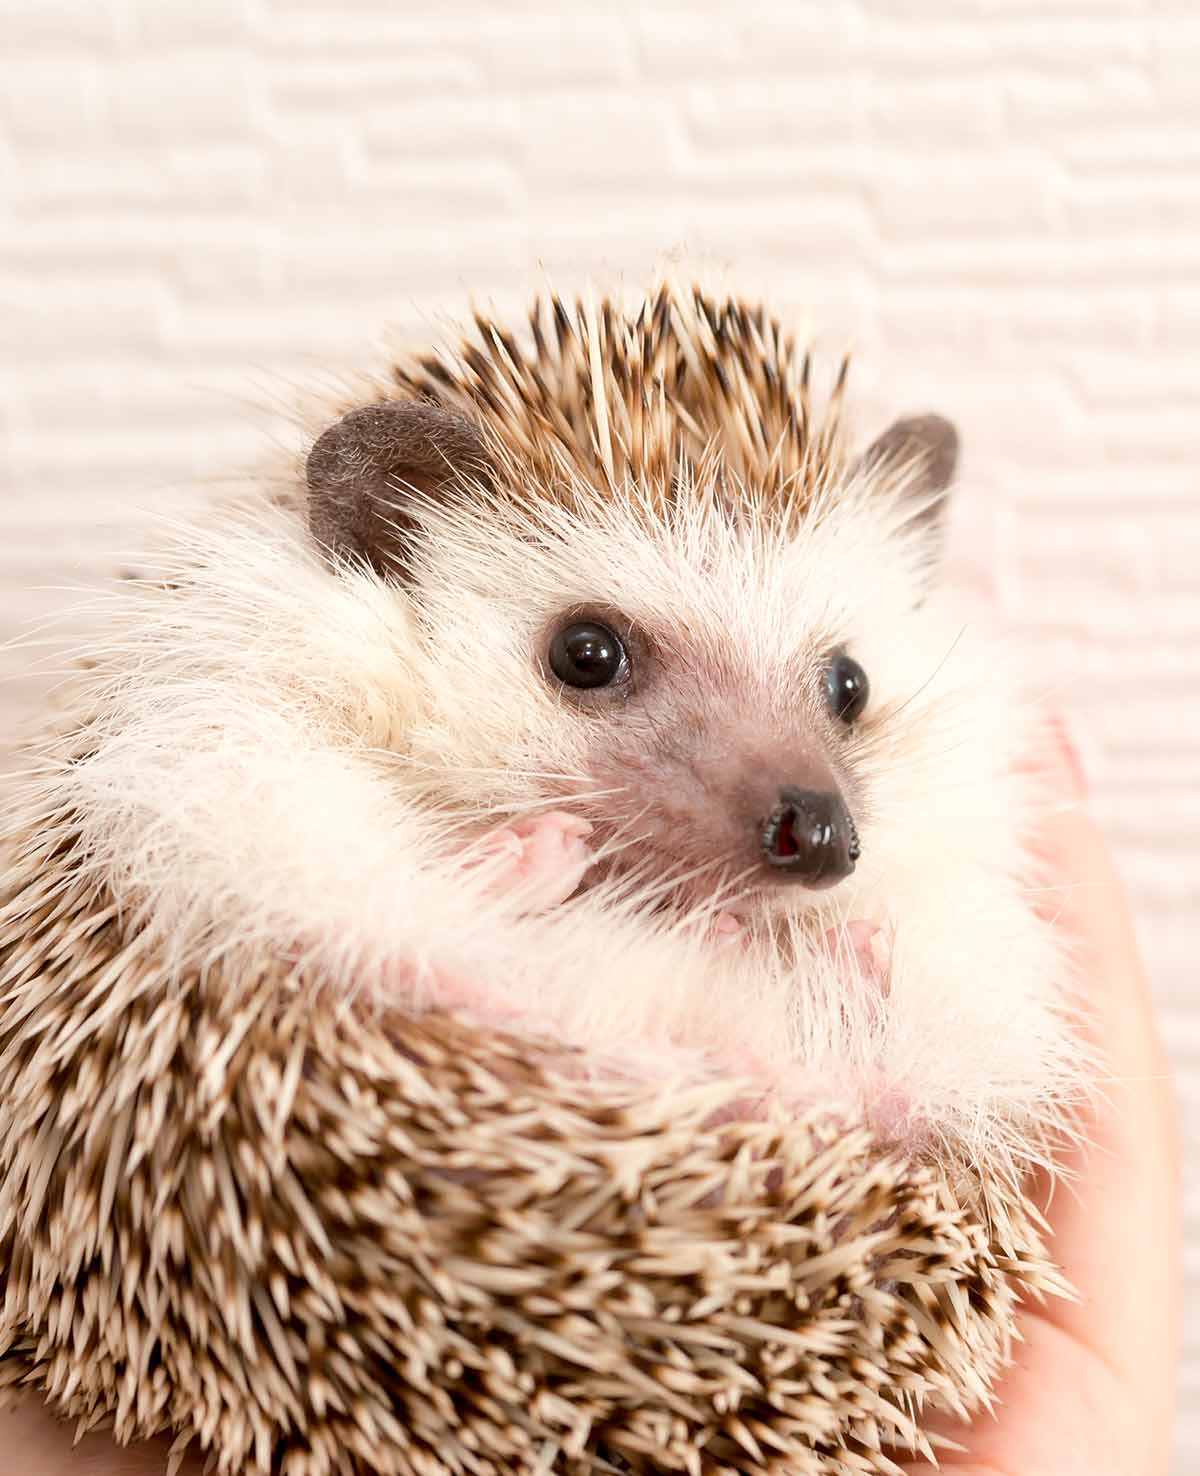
point(869, 948)
point(544, 857)
point(727, 929)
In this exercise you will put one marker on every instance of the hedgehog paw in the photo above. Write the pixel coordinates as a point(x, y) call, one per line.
point(867, 946)
point(543, 857)
point(727, 929)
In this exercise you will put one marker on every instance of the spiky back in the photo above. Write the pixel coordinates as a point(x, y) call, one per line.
point(610, 395)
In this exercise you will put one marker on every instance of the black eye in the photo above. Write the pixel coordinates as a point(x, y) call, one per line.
point(846, 688)
point(588, 654)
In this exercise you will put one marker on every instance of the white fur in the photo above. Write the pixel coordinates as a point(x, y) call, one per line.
point(286, 757)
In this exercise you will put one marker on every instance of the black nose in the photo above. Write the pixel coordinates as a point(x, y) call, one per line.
point(809, 837)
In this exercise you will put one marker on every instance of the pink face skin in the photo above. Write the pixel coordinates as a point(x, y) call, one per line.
point(713, 779)
point(703, 818)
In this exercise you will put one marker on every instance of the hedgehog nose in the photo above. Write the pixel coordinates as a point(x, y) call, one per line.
point(810, 838)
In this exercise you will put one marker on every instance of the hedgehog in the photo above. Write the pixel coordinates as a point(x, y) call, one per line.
point(518, 953)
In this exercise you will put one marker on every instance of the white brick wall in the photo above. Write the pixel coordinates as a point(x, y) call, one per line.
point(204, 202)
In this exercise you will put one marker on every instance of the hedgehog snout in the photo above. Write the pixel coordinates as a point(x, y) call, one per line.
point(809, 837)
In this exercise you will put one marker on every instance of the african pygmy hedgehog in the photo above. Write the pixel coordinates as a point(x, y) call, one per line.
point(519, 957)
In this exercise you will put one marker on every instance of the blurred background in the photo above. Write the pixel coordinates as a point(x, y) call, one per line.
point(996, 203)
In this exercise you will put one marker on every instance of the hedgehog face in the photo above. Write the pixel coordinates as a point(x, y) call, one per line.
point(724, 703)
point(768, 807)
point(689, 671)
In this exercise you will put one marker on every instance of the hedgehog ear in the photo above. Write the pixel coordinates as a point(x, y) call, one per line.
point(360, 470)
point(923, 450)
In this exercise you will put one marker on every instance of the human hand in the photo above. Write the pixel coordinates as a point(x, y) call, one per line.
point(1091, 1392)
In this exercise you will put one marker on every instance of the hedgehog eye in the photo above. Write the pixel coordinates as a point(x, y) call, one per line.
point(588, 654)
point(846, 688)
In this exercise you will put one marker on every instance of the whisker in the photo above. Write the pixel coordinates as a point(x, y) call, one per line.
point(484, 771)
point(896, 711)
point(532, 807)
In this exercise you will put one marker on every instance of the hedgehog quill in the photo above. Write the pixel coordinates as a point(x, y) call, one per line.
point(520, 957)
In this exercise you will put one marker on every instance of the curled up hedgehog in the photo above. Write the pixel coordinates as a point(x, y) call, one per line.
point(517, 956)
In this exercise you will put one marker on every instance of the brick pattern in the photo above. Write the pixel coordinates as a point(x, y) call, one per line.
point(996, 201)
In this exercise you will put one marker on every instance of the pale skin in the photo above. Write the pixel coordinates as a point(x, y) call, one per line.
point(1092, 1387)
